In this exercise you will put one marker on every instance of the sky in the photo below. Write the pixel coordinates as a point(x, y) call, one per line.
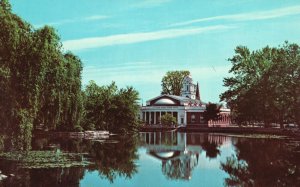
point(135, 42)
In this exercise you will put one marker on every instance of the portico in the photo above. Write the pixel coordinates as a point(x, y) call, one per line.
point(187, 108)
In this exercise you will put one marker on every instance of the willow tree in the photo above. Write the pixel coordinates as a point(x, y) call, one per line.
point(39, 84)
point(18, 81)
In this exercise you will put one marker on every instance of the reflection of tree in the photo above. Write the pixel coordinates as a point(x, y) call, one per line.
point(181, 167)
point(211, 149)
point(41, 177)
point(263, 163)
point(57, 177)
point(238, 172)
point(115, 159)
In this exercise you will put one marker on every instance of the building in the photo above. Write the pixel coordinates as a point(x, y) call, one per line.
point(180, 153)
point(188, 109)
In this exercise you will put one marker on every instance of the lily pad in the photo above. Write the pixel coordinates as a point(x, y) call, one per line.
point(46, 159)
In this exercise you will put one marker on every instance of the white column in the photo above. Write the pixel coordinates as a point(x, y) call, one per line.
point(155, 117)
point(146, 117)
point(159, 117)
point(159, 138)
point(150, 117)
point(185, 118)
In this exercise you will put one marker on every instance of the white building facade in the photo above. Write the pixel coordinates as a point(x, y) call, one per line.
point(187, 108)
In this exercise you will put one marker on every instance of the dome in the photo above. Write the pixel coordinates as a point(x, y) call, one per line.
point(165, 101)
point(165, 154)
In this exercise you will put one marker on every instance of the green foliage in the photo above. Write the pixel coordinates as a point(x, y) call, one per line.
point(265, 85)
point(172, 81)
point(168, 119)
point(212, 111)
point(45, 159)
point(107, 108)
point(5, 5)
point(38, 83)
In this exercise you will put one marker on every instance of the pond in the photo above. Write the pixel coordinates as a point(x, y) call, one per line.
point(158, 159)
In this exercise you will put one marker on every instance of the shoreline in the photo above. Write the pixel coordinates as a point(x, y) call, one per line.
point(226, 130)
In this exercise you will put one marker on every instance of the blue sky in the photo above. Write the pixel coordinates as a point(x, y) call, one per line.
point(136, 42)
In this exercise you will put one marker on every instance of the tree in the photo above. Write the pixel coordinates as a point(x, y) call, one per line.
point(18, 91)
point(212, 111)
point(39, 84)
point(125, 111)
point(5, 5)
point(168, 119)
point(107, 108)
point(172, 82)
point(265, 85)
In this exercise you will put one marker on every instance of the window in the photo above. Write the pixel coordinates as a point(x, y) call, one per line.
point(202, 120)
point(193, 118)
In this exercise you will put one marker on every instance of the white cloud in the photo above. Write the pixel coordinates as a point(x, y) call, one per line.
point(118, 68)
point(148, 72)
point(259, 15)
point(95, 17)
point(146, 77)
point(130, 38)
point(73, 20)
point(149, 3)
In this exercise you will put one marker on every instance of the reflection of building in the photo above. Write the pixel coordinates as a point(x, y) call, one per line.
point(186, 108)
point(181, 167)
point(179, 152)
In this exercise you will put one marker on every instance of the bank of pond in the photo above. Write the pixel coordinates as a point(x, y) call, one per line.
point(238, 131)
point(172, 158)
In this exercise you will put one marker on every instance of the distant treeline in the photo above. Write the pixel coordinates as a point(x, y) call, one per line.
point(41, 86)
point(265, 85)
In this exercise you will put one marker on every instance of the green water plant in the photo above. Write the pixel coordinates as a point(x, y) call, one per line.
point(46, 159)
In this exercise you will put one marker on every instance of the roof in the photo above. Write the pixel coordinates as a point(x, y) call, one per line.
point(179, 98)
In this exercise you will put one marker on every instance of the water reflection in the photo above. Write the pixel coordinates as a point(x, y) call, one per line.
point(263, 163)
point(179, 152)
point(111, 158)
point(175, 159)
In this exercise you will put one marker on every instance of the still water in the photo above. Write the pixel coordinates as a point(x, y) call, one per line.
point(165, 159)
